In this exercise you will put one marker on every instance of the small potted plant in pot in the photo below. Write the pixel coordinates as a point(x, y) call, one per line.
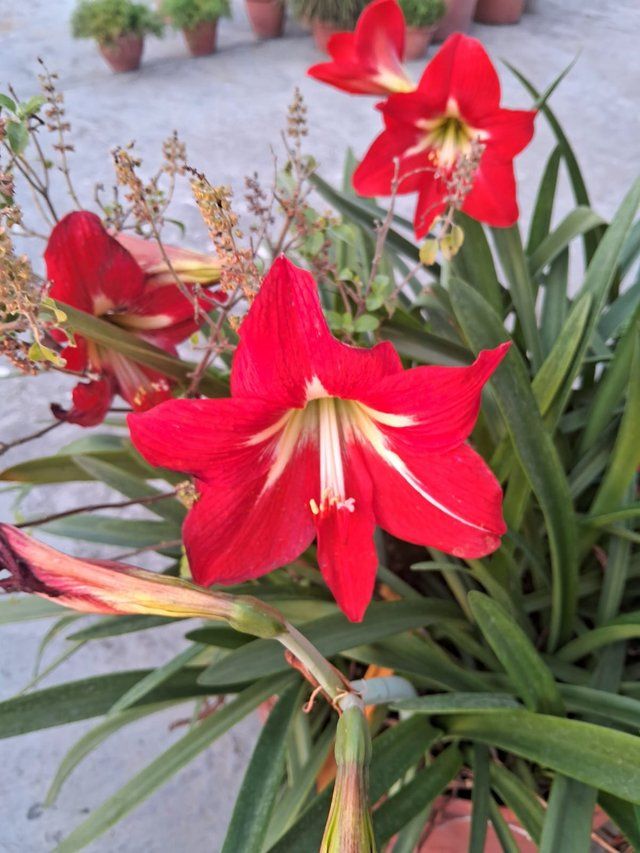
point(422, 17)
point(327, 17)
point(266, 17)
point(119, 28)
point(457, 18)
point(499, 11)
point(198, 20)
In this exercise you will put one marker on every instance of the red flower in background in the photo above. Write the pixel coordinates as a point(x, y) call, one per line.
point(321, 439)
point(90, 270)
point(369, 60)
point(456, 102)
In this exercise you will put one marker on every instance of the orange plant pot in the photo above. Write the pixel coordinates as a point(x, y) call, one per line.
point(499, 11)
point(123, 54)
point(417, 41)
point(457, 18)
point(202, 39)
point(266, 18)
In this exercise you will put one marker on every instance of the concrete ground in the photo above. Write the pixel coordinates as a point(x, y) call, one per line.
point(228, 108)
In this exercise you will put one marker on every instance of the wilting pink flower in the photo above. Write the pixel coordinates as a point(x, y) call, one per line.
point(369, 60)
point(100, 586)
point(91, 270)
point(321, 439)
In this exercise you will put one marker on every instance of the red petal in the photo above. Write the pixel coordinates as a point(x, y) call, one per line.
point(88, 268)
point(493, 196)
point(509, 132)
point(375, 173)
point(430, 204)
point(346, 550)
point(205, 438)
point(285, 344)
point(458, 481)
point(76, 356)
point(443, 401)
point(161, 315)
point(462, 70)
point(368, 61)
point(91, 402)
point(237, 531)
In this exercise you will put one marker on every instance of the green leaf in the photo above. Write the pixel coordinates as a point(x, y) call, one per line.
point(92, 740)
point(569, 817)
point(454, 703)
point(522, 801)
point(535, 451)
point(295, 797)
point(528, 673)
point(114, 531)
point(501, 827)
point(624, 815)
point(8, 103)
point(595, 755)
point(114, 626)
point(255, 802)
point(330, 635)
point(522, 291)
point(133, 347)
point(481, 798)
point(131, 487)
point(62, 467)
point(17, 136)
point(366, 323)
point(154, 679)
point(413, 797)
point(611, 707)
point(26, 609)
point(625, 457)
point(555, 304)
point(169, 762)
point(543, 208)
point(622, 628)
point(474, 262)
point(90, 697)
point(579, 221)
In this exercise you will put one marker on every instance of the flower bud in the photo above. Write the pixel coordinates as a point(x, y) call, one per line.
point(93, 586)
point(429, 251)
point(349, 828)
point(190, 267)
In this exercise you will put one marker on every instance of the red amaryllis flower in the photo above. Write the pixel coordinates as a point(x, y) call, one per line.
point(90, 270)
point(456, 103)
point(321, 439)
point(369, 60)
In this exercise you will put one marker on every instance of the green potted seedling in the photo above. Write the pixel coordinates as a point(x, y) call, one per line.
point(198, 20)
point(422, 17)
point(327, 17)
point(118, 27)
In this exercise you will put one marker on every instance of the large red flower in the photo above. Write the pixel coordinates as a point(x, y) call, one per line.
point(457, 101)
point(90, 270)
point(321, 439)
point(369, 60)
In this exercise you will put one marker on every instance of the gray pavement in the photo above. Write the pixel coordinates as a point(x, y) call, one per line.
point(229, 108)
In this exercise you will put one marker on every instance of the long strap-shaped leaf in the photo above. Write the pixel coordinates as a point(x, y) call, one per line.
point(252, 811)
point(169, 762)
point(535, 450)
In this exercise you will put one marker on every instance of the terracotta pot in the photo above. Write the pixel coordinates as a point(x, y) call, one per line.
point(417, 40)
point(457, 18)
point(499, 11)
point(322, 32)
point(201, 39)
point(266, 18)
point(123, 54)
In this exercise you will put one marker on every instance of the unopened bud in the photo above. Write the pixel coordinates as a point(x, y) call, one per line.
point(452, 242)
point(349, 828)
point(429, 251)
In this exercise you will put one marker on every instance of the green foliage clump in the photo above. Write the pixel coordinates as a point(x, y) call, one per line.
point(187, 14)
point(340, 13)
point(107, 20)
point(422, 13)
